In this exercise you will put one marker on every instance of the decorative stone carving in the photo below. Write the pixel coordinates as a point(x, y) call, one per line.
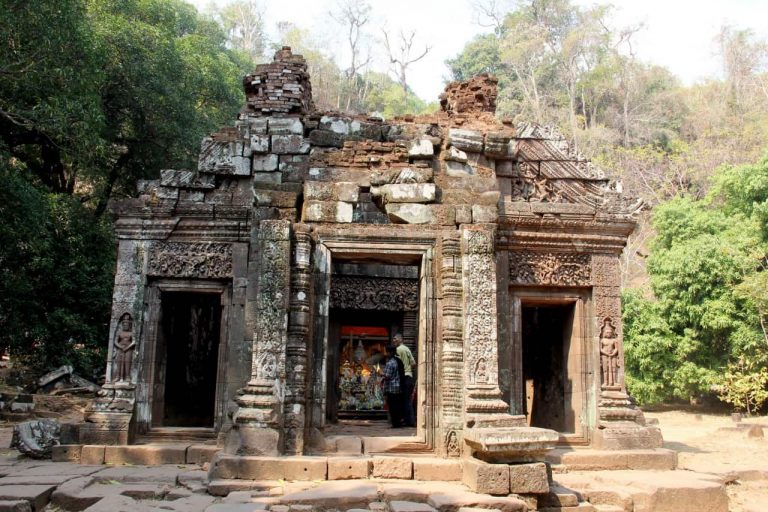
point(198, 260)
point(549, 268)
point(530, 186)
point(452, 446)
point(124, 348)
point(452, 343)
point(371, 293)
point(36, 438)
point(609, 354)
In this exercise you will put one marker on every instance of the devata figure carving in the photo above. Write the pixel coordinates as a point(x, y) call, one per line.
point(609, 353)
point(124, 347)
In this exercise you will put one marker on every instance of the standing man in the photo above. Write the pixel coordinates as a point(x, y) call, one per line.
point(409, 363)
point(392, 388)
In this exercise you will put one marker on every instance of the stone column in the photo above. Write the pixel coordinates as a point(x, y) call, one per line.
point(298, 341)
point(621, 424)
point(258, 421)
point(483, 405)
point(452, 349)
point(109, 418)
point(490, 431)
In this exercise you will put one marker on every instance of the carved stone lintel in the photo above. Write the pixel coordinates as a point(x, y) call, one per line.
point(549, 268)
point(374, 293)
point(203, 260)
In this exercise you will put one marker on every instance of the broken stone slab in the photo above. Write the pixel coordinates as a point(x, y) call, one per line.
point(404, 175)
point(410, 213)
point(83, 383)
point(236, 507)
point(412, 491)
point(65, 370)
point(337, 495)
point(511, 444)
point(36, 438)
point(163, 474)
point(453, 501)
point(15, 506)
point(224, 486)
point(458, 169)
point(421, 149)
point(118, 503)
point(347, 192)
point(410, 506)
point(466, 140)
point(455, 155)
point(327, 211)
point(335, 124)
point(182, 179)
point(405, 193)
point(36, 495)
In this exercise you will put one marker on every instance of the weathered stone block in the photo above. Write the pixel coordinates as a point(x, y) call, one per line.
point(325, 191)
point(421, 148)
point(500, 145)
point(405, 175)
point(66, 453)
point(201, 453)
point(406, 193)
point(273, 178)
point(392, 467)
point(326, 138)
point(146, 454)
point(455, 155)
point(186, 179)
point(285, 125)
point(485, 478)
point(335, 124)
point(404, 213)
point(463, 214)
point(304, 468)
point(241, 166)
point(289, 144)
point(467, 140)
point(409, 506)
point(276, 198)
point(327, 211)
point(265, 163)
point(92, 454)
point(260, 468)
point(340, 468)
point(259, 144)
point(258, 125)
point(433, 469)
point(36, 495)
point(484, 213)
point(528, 478)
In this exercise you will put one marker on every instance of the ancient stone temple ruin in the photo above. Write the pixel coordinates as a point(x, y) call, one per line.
point(254, 297)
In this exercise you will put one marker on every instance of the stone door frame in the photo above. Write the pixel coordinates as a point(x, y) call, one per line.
point(583, 360)
point(390, 249)
point(152, 331)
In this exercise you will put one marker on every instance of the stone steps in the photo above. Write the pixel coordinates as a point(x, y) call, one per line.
point(648, 491)
point(140, 454)
point(564, 460)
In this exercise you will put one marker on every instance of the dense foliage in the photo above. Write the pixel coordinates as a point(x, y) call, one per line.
point(94, 95)
point(704, 329)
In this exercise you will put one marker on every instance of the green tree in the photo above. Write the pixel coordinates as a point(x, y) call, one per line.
point(706, 266)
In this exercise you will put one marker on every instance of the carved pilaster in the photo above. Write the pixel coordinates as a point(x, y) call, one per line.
point(259, 419)
point(483, 406)
point(452, 349)
point(298, 341)
point(621, 424)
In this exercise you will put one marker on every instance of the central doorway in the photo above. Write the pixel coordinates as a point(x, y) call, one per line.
point(547, 334)
point(187, 360)
point(370, 303)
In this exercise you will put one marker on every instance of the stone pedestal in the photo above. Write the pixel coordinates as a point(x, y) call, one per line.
point(622, 425)
point(109, 418)
point(510, 445)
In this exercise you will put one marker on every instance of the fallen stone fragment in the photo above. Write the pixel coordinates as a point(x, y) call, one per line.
point(36, 438)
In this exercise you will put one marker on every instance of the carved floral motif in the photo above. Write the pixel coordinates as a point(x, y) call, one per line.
point(372, 293)
point(549, 268)
point(199, 260)
point(481, 307)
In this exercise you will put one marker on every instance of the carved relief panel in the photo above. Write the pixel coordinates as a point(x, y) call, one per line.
point(549, 268)
point(373, 293)
point(191, 260)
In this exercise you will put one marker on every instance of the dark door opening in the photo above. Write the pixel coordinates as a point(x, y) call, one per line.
point(185, 390)
point(546, 334)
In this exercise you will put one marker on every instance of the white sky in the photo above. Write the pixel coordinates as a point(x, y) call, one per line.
point(678, 34)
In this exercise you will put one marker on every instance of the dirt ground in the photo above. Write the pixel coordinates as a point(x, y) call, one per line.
point(712, 443)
